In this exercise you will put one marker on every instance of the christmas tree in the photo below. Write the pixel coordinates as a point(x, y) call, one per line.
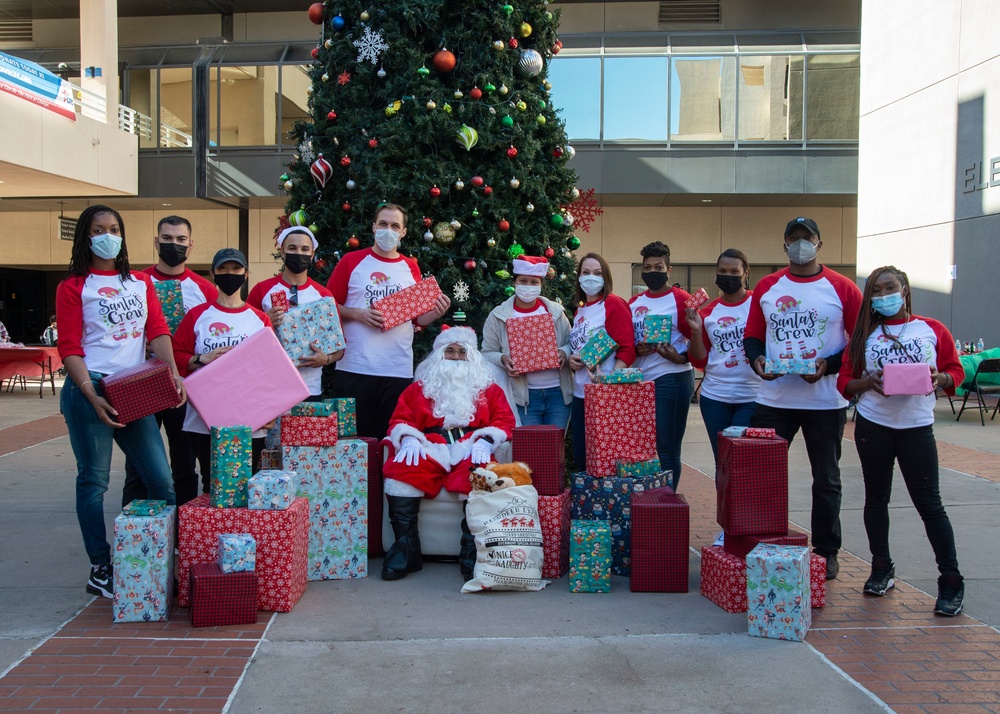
point(443, 107)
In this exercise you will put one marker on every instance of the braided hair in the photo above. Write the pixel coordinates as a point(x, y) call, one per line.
point(80, 258)
point(869, 319)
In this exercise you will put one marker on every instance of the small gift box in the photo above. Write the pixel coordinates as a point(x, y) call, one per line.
point(140, 507)
point(660, 534)
point(598, 348)
point(232, 451)
point(906, 378)
point(314, 323)
point(790, 366)
point(237, 552)
point(630, 468)
point(142, 390)
point(270, 460)
point(532, 341)
point(347, 416)
point(735, 432)
point(171, 298)
point(778, 592)
point(408, 304)
point(279, 298)
point(590, 557)
point(543, 448)
point(308, 431)
point(315, 409)
point(271, 490)
point(760, 432)
point(657, 328)
point(817, 580)
point(724, 579)
point(219, 598)
point(628, 375)
point(143, 566)
point(697, 299)
point(554, 515)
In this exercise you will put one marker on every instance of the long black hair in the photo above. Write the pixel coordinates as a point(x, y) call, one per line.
point(869, 320)
point(80, 258)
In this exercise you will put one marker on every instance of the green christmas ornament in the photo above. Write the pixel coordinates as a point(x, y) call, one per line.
point(284, 177)
point(446, 109)
point(475, 213)
point(467, 137)
point(540, 119)
point(515, 251)
point(313, 228)
point(541, 104)
point(509, 290)
point(490, 88)
point(573, 243)
point(423, 71)
point(299, 217)
point(557, 220)
point(503, 275)
point(508, 9)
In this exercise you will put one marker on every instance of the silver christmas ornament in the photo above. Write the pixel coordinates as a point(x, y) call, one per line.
point(351, 184)
point(515, 184)
point(428, 236)
point(530, 208)
point(459, 185)
point(530, 63)
point(455, 223)
point(381, 73)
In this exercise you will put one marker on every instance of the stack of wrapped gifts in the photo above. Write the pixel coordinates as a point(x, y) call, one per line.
point(543, 448)
point(143, 562)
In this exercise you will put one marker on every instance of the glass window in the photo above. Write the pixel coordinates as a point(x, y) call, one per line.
point(248, 105)
point(763, 97)
point(702, 98)
point(833, 86)
point(625, 80)
point(576, 91)
point(295, 80)
point(175, 107)
point(143, 97)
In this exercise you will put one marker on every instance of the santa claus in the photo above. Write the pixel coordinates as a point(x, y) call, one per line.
point(451, 418)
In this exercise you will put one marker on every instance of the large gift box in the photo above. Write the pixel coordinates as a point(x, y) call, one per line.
point(375, 502)
point(590, 557)
point(740, 545)
point(220, 391)
point(532, 341)
point(543, 448)
point(237, 552)
point(778, 600)
point(599, 347)
point(271, 489)
point(142, 390)
point(308, 431)
point(657, 328)
point(553, 512)
point(408, 304)
point(724, 579)
point(143, 564)
point(232, 456)
point(316, 322)
point(660, 534)
point(219, 598)
point(620, 423)
point(171, 298)
point(906, 378)
point(335, 480)
point(751, 486)
point(282, 547)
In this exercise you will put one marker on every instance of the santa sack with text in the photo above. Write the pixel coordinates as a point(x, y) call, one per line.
point(503, 518)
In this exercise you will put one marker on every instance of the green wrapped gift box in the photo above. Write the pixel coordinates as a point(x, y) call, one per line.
point(232, 452)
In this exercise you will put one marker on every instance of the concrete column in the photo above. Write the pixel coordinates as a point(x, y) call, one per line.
point(99, 48)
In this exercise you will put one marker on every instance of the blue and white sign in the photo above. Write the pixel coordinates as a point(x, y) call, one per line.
point(36, 84)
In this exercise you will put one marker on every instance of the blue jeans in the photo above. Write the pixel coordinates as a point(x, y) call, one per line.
point(673, 400)
point(91, 441)
point(719, 415)
point(545, 406)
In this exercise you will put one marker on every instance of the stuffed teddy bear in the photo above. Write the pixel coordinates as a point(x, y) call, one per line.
point(499, 476)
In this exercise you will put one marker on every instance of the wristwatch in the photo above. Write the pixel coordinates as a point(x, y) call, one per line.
point(197, 361)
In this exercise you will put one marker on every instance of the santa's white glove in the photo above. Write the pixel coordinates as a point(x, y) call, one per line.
point(482, 450)
point(410, 451)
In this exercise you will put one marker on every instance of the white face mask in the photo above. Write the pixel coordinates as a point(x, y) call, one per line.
point(591, 284)
point(527, 293)
point(387, 239)
point(802, 251)
point(106, 246)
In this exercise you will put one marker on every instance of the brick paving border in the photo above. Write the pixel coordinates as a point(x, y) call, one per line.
point(32, 433)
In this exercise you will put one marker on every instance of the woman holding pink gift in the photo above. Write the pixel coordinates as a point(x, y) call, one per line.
point(898, 426)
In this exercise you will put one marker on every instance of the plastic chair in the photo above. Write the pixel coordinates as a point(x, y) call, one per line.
point(987, 366)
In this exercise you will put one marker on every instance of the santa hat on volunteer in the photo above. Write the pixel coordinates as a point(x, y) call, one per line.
point(296, 229)
point(459, 334)
point(532, 265)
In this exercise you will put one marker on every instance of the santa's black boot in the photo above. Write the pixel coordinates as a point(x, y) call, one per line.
point(467, 554)
point(404, 555)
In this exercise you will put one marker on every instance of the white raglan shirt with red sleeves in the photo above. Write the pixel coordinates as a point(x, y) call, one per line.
point(669, 303)
point(311, 291)
point(195, 290)
point(803, 318)
point(728, 374)
point(546, 378)
point(360, 278)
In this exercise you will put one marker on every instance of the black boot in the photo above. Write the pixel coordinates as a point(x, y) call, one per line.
point(951, 595)
point(467, 553)
point(404, 555)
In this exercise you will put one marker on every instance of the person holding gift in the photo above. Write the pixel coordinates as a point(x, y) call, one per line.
point(107, 315)
point(729, 389)
point(297, 246)
point(597, 308)
point(377, 365)
point(801, 316)
point(664, 363)
point(900, 427)
point(545, 396)
point(209, 331)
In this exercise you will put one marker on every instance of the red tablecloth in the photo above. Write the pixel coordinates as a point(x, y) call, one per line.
point(31, 362)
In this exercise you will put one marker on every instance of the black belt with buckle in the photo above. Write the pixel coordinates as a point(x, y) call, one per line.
point(453, 435)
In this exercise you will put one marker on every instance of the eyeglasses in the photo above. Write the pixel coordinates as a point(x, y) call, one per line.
point(293, 299)
point(455, 351)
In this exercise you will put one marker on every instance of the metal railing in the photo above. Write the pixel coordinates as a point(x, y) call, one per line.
point(137, 123)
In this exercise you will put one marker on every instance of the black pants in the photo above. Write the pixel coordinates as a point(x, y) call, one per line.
point(375, 399)
point(823, 431)
point(879, 447)
point(202, 444)
point(182, 460)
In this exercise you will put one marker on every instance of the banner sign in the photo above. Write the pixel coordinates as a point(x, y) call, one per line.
point(37, 85)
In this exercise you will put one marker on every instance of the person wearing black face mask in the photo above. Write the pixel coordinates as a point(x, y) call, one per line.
point(729, 389)
point(664, 363)
point(208, 332)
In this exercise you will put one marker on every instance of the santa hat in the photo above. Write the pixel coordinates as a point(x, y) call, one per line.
point(296, 229)
point(455, 335)
point(532, 265)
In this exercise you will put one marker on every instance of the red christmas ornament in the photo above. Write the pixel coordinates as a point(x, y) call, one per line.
point(372, 143)
point(476, 93)
point(427, 221)
point(549, 252)
point(443, 61)
point(346, 207)
point(331, 115)
point(488, 191)
point(504, 225)
point(557, 47)
point(346, 161)
point(477, 181)
point(511, 152)
point(353, 242)
point(557, 152)
point(470, 265)
point(320, 263)
point(316, 13)
point(314, 52)
point(435, 192)
point(512, 43)
point(321, 171)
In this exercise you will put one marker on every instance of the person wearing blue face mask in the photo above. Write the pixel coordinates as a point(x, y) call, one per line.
point(900, 427)
point(107, 315)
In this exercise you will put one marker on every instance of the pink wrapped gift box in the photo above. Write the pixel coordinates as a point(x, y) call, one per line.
point(251, 384)
point(906, 378)
point(408, 303)
point(532, 342)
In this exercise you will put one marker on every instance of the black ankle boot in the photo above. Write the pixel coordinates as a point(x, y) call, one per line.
point(404, 555)
point(951, 595)
point(467, 554)
point(882, 577)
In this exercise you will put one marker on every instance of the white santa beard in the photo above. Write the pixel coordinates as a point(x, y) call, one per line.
point(455, 387)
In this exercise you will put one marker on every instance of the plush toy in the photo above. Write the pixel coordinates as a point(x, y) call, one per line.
point(499, 476)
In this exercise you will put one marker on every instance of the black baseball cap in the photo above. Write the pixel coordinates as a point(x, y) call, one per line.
point(227, 255)
point(807, 223)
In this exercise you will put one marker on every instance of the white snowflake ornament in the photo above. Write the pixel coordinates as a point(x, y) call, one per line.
point(370, 46)
point(461, 291)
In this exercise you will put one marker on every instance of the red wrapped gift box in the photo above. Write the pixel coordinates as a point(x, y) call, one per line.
point(724, 579)
point(282, 547)
point(408, 303)
point(375, 505)
point(757, 432)
point(309, 431)
point(142, 390)
point(553, 512)
point(817, 580)
point(620, 423)
point(279, 298)
point(751, 484)
point(697, 299)
point(660, 542)
point(543, 448)
point(532, 341)
point(740, 545)
point(219, 598)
